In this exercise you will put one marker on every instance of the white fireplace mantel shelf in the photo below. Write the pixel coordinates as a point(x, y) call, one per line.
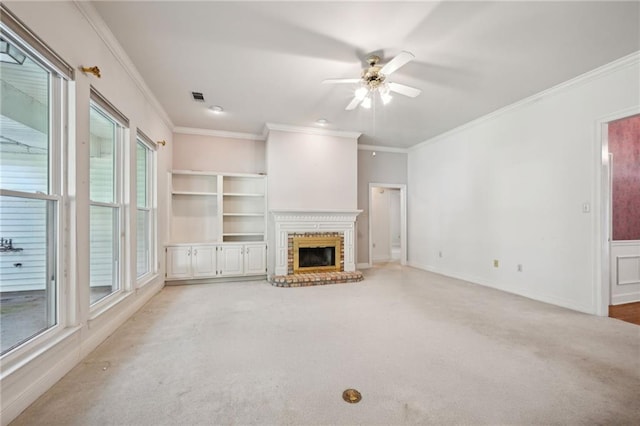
point(293, 215)
point(294, 220)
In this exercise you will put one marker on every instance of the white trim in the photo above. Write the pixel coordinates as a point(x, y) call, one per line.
point(621, 299)
point(218, 133)
point(363, 265)
point(32, 195)
point(310, 130)
point(403, 218)
point(602, 267)
point(64, 354)
point(103, 31)
point(363, 147)
point(623, 62)
point(622, 257)
point(624, 243)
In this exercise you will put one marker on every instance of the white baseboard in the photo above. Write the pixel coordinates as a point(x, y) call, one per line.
point(621, 299)
point(564, 303)
point(366, 265)
point(37, 384)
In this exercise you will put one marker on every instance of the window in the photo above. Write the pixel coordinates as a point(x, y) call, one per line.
point(32, 104)
point(145, 207)
point(106, 216)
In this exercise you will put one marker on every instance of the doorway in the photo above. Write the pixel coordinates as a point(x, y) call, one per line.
point(387, 223)
point(619, 224)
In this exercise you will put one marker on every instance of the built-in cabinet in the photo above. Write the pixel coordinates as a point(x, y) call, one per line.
point(185, 262)
point(218, 225)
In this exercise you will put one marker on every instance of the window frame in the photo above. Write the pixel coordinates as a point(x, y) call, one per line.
point(151, 150)
point(119, 203)
point(61, 77)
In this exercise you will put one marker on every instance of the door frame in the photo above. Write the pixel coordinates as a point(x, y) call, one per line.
point(403, 218)
point(602, 287)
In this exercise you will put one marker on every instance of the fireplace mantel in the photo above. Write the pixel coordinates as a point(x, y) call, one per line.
point(296, 221)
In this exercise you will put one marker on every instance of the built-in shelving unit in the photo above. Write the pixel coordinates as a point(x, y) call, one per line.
point(217, 207)
point(221, 213)
point(243, 208)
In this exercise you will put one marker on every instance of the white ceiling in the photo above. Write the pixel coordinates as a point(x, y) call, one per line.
point(265, 61)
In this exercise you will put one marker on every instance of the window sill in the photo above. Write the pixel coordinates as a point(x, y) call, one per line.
point(23, 355)
point(146, 279)
point(104, 306)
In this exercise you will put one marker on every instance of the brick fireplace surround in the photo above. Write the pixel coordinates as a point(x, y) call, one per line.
point(288, 224)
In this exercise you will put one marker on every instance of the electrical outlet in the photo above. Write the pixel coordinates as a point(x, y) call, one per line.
point(496, 263)
point(519, 268)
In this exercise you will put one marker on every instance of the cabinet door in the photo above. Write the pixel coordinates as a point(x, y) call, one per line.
point(203, 262)
point(230, 260)
point(178, 262)
point(255, 259)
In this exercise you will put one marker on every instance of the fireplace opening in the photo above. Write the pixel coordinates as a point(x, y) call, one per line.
point(317, 256)
point(316, 253)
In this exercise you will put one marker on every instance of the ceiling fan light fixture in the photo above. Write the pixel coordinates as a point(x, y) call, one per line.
point(361, 93)
point(374, 80)
point(322, 121)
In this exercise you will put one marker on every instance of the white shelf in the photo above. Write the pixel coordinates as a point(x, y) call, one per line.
point(244, 214)
point(240, 194)
point(194, 193)
point(242, 234)
point(208, 173)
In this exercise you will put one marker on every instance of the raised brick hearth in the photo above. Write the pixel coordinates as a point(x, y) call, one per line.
point(304, 280)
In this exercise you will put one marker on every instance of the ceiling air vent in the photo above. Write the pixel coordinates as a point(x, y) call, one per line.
point(197, 96)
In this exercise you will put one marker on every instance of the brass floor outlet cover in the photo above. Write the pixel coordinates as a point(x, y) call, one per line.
point(352, 396)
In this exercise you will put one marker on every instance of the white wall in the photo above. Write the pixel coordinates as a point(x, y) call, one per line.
point(218, 154)
point(381, 222)
point(27, 373)
point(394, 217)
point(511, 186)
point(311, 171)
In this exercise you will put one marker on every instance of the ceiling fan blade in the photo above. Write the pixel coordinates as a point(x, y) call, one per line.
point(353, 104)
point(412, 92)
point(401, 59)
point(340, 80)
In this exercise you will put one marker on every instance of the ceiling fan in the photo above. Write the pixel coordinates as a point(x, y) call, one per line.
point(374, 79)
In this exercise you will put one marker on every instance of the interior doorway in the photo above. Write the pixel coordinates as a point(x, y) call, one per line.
point(619, 224)
point(387, 223)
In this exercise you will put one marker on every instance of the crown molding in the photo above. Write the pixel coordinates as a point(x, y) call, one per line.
point(363, 147)
point(625, 61)
point(103, 31)
point(310, 130)
point(218, 133)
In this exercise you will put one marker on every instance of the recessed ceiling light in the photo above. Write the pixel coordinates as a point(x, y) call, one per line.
point(322, 121)
point(216, 109)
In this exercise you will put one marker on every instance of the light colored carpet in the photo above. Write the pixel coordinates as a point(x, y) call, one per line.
point(421, 348)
